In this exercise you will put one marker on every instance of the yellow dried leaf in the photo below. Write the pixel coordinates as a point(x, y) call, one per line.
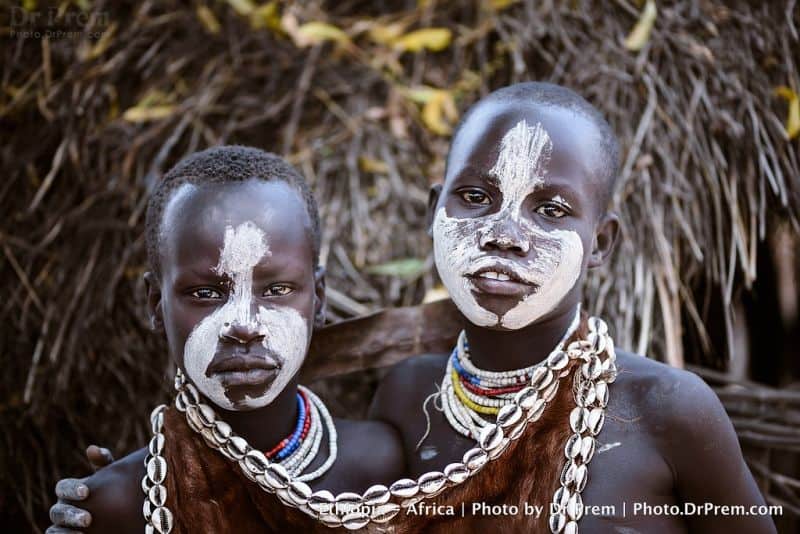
point(267, 16)
point(312, 33)
point(793, 118)
point(143, 113)
point(208, 19)
point(641, 31)
point(242, 7)
point(434, 39)
point(386, 33)
point(440, 112)
point(375, 166)
point(499, 5)
point(420, 95)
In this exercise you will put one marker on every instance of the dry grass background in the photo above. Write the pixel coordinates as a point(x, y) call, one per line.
point(699, 93)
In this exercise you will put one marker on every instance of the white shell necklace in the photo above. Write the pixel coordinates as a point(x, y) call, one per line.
point(470, 394)
point(379, 504)
point(218, 435)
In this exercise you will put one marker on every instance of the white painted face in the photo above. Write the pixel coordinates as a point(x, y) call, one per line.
point(284, 329)
point(554, 266)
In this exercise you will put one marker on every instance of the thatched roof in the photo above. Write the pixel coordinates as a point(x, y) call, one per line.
point(91, 119)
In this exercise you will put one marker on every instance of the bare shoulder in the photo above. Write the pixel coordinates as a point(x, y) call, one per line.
point(671, 399)
point(115, 495)
point(405, 383)
point(417, 366)
point(682, 416)
point(373, 449)
point(694, 435)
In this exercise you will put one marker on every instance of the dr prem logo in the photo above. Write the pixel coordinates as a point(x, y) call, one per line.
point(55, 23)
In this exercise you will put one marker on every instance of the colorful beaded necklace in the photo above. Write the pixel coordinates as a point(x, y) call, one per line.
point(470, 394)
point(291, 442)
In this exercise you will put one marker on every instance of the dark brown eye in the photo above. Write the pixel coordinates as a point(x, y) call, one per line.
point(475, 197)
point(278, 290)
point(552, 210)
point(206, 293)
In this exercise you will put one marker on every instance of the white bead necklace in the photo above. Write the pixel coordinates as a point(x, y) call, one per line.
point(465, 409)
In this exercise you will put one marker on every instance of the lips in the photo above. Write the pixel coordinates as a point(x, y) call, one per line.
point(502, 281)
point(242, 362)
point(244, 370)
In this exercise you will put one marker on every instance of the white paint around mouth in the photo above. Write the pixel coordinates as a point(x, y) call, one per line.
point(520, 168)
point(284, 329)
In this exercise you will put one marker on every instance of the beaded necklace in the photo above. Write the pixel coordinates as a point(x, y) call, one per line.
point(593, 372)
point(284, 463)
point(470, 394)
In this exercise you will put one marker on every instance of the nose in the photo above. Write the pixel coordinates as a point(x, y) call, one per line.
point(504, 236)
point(240, 333)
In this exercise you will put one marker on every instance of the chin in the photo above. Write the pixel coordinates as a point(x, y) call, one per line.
point(497, 306)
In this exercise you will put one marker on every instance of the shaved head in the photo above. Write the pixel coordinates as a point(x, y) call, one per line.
point(548, 95)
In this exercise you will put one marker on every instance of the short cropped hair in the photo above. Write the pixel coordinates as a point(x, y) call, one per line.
point(551, 95)
point(223, 165)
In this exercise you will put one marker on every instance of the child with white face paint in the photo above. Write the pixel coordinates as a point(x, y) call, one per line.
point(520, 218)
point(233, 243)
point(465, 264)
point(281, 331)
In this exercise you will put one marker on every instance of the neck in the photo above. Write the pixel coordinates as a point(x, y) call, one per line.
point(504, 350)
point(265, 427)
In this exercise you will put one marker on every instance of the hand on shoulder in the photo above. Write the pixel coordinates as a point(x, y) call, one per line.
point(115, 496)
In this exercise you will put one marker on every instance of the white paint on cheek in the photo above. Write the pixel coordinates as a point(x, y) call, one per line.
point(285, 330)
point(287, 336)
point(455, 248)
point(520, 168)
point(559, 257)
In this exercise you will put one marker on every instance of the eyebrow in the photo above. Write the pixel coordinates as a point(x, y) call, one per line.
point(189, 271)
point(561, 188)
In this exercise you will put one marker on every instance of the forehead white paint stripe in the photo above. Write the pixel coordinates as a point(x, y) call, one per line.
point(520, 166)
point(242, 249)
point(285, 331)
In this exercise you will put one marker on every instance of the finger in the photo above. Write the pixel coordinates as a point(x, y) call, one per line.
point(72, 489)
point(66, 515)
point(98, 456)
point(61, 530)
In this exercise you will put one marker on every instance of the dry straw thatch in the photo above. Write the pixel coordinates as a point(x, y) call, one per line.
point(90, 120)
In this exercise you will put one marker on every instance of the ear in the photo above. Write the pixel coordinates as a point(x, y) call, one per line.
point(319, 297)
point(605, 239)
point(433, 199)
point(154, 309)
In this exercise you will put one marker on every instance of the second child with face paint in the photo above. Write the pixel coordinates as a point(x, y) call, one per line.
point(233, 238)
point(519, 220)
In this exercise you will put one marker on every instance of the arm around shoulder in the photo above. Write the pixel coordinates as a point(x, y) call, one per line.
point(116, 498)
